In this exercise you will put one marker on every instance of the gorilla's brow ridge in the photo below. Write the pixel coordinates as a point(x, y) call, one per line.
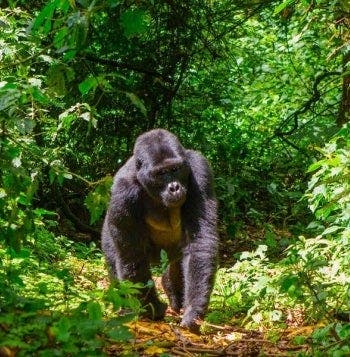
point(159, 148)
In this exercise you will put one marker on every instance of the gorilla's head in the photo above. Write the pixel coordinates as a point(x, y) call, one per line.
point(161, 167)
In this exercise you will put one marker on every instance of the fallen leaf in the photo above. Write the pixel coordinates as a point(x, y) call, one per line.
point(154, 350)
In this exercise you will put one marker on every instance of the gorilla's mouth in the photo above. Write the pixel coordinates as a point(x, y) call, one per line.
point(174, 200)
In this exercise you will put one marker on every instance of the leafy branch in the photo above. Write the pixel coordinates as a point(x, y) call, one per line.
point(304, 108)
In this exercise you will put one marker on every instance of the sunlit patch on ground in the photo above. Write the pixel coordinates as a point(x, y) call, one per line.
point(168, 339)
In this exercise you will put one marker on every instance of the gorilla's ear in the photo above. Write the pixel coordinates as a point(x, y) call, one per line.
point(138, 164)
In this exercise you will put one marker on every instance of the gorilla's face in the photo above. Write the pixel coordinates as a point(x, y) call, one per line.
point(161, 167)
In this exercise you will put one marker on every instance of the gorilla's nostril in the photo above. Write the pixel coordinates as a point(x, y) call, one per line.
point(174, 187)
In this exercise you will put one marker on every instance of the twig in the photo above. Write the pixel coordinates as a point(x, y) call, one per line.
point(205, 350)
point(121, 65)
point(178, 352)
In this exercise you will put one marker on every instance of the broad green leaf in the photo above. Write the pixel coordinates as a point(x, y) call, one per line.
point(330, 230)
point(87, 84)
point(95, 311)
point(62, 328)
point(315, 165)
point(69, 55)
point(39, 96)
point(326, 211)
point(134, 22)
point(43, 212)
point(44, 18)
point(60, 36)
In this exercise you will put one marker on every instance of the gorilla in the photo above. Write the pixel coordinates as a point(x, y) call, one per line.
point(163, 198)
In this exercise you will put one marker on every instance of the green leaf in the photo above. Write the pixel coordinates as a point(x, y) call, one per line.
point(66, 121)
point(137, 102)
point(52, 175)
point(282, 6)
point(270, 239)
point(87, 84)
point(43, 20)
point(9, 96)
point(62, 329)
point(95, 311)
point(119, 333)
point(69, 55)
point(42, 288)
point(326, 211)
point(96, 201)
point(88, 328)
point(315, 166)
point(39, 96)
point(60, 36)
point(331, 229)
point(289, 282)
point(40, 212)
point(134, 22)
point(56, 79)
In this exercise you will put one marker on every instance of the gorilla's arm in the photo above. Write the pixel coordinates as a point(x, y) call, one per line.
point(200, 254)
point(123, 239)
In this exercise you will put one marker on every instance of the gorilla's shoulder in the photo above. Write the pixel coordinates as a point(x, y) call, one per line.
point(126, 189)
point(200, 169)
point(197, 159)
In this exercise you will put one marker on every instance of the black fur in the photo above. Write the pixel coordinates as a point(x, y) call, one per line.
point(163, 198)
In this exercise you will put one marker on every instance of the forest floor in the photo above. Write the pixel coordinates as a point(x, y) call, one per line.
point(164, 338)
point(167, 338)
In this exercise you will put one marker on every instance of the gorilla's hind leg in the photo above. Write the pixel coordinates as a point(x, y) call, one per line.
point(172, 282)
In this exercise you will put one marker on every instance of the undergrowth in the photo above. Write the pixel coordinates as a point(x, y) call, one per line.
point(56, 301)
point(310, 284)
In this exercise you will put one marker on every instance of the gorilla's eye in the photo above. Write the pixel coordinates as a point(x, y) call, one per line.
point(167, 170)
point(162, 172)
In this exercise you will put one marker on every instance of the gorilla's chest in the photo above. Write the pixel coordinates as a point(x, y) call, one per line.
point(165, 227)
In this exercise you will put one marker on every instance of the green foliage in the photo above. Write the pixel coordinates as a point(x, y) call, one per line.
point(18, 186)
point(52, 303)
point(332, 340)
point(314, 275)
point(253, 287)
point(134, 21)
point(97, 200)
point(329, 188)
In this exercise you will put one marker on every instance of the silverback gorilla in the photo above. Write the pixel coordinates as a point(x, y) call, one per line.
point(163, 198)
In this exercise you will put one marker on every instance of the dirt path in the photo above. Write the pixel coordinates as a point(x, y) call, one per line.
point(168, 339)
